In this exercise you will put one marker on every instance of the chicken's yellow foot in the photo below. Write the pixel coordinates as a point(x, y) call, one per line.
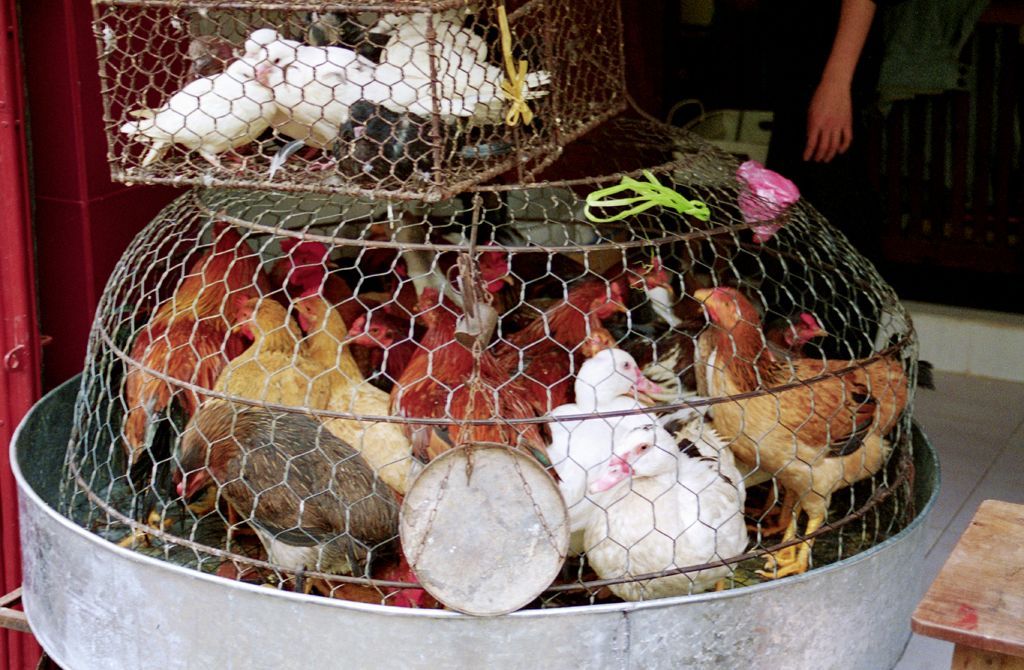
point(789, 561)
point(140, 536)
point(794, 559)
point(135, 537)
point(206, 503)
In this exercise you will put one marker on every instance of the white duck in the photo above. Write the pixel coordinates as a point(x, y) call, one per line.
point(668, 502)
point(608, 382)
point(210, 115)
point(310, 85)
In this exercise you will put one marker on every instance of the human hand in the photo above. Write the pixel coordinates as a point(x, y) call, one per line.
point(829, 122)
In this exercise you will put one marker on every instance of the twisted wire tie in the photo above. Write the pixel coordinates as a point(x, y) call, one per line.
point(514, 83)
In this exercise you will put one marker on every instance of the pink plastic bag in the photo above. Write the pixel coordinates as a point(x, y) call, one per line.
point(766, 198)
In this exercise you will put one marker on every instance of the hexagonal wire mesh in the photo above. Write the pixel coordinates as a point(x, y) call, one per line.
point(308, 328)
point(418, 99)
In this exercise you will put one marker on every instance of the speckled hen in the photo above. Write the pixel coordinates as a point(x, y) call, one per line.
point(313, 501)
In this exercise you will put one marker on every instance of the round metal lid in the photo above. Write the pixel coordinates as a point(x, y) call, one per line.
point(485, 529)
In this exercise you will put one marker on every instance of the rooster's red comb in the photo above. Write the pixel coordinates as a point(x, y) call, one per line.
point(809, 322)
point(225, 238)
point(358, 326)
point(428, 298)
point(306, 250)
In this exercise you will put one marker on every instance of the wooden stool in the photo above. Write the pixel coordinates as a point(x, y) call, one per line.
point(977, 601)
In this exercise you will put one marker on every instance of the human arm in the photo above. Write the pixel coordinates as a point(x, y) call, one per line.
point(830, 114)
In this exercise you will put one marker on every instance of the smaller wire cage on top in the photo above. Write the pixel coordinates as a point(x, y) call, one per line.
point(413, 100)
point(349, 326)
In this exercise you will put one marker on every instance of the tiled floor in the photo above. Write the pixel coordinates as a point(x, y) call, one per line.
point(977, 427)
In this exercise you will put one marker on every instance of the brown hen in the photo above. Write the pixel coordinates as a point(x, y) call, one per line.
point(389, 337)
point(549, 349)
point(437, 383)
point(816, 437)
point(279, 367)
point(314, 503)
point(189, 336)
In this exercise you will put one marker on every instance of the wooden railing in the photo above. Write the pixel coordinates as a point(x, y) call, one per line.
point(951, 166)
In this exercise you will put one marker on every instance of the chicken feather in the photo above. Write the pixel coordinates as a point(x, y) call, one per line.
point(383, 444)
point(188, 337)
point(315, 504)
point(278, 367)
point(210, 115)
point(435, 384)
point(551, 347)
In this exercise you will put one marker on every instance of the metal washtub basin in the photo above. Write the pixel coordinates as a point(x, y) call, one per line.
point(94, 605)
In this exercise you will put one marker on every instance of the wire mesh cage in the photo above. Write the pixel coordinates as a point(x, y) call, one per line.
point(693, 363)
point(418, 100)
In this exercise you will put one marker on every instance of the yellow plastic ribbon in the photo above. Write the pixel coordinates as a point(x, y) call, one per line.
point(514, 83)
point(649, 194)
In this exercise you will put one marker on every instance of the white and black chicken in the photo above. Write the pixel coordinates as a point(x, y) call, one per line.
point(468, 86)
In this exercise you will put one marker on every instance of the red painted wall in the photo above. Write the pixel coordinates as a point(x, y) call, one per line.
point(83, 220)
point(56, 200)
point(19, 343)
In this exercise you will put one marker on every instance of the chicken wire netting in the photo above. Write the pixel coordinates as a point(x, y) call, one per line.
point(708, 381)
point(400, 99)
